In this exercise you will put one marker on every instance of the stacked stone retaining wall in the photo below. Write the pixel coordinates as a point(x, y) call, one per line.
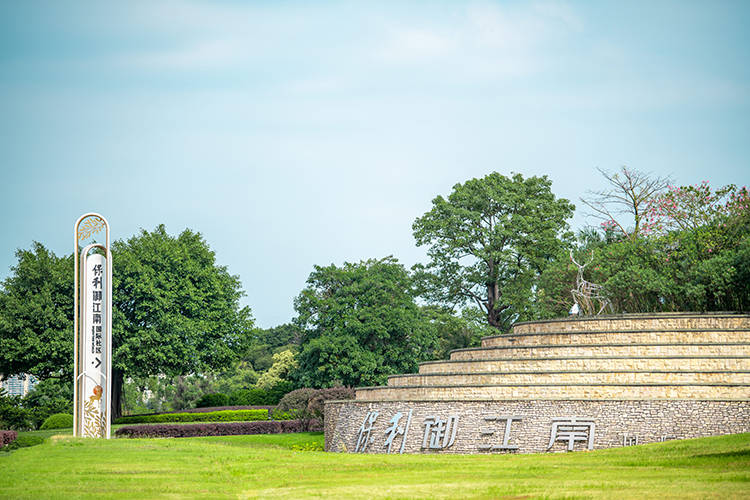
point(631, 378)
point(480, 428)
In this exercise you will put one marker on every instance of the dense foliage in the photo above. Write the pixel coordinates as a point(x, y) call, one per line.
point(36, 315)
point(214, 416)
point(489, 241)
point(692, 254)
point(176, 311)
point(360, 324)
point(13, 415)
point(213, 399)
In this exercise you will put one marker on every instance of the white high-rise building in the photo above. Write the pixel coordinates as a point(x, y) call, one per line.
point(18, 385)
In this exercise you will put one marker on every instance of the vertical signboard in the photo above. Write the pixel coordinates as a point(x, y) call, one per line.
point(93, 330)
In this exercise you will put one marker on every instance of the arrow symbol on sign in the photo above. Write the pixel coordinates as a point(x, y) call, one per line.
point(98, 362)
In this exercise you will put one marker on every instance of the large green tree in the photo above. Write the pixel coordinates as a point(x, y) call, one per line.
point(359, 324)
point(488, 242)
point(36, 315)
point(176, 311)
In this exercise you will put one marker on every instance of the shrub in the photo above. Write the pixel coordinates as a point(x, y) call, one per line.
point(212, 429)
point(214, 399)
point(213, 416)
point(24, 441)
point(251, 397)
point(295, 402)
point(12, 414)
point(316, 406)
point(7, 437)
point(208, 409)
point(275, 393)
point(58, 421)
point(49, 396)
point(284, 415)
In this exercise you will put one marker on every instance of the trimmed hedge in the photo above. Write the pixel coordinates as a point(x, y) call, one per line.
point(58, 421)
point(7, 437)
point(218, 429)
point(213, 399)
point(208, 409)
point(213, 416)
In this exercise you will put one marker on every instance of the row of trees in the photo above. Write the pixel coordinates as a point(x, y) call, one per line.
point(498, 252)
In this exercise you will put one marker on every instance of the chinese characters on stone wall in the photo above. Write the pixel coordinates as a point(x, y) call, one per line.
point(439, 432)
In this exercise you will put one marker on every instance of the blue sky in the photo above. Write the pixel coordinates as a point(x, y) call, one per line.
point(299, 133)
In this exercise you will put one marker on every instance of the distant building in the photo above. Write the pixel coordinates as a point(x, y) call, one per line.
point(18, 385)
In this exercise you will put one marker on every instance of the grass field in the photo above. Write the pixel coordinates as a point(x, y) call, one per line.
point(272, 466)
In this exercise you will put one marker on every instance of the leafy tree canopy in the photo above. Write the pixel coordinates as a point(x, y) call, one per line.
point(176, 311)
point(36, 315)
point(489, 241)
point(360, 323)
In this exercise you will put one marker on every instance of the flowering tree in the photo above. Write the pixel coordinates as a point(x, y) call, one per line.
point(690, 207)
point(630, 194)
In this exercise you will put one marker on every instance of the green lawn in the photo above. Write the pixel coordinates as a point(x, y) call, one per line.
point(269, 466)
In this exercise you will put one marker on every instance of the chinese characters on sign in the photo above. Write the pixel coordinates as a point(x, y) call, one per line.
point(92, 327)
point(395, 430)
point(505, 445)
point(571, 430)
point(96, 310)
point(93, 380)
point(440, 432)
point(363, 438)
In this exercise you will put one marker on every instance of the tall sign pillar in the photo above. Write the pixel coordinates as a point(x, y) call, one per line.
point(92, 386)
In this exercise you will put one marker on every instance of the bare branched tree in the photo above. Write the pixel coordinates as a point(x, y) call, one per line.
point(628, 195)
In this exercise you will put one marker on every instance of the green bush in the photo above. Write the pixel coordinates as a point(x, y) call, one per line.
point(49, 396)
point(13, 415)
point(295, 402)
point(316, 405)
point(284, 415)
point(275, 393)
point(214, 399)
point(248, 397)
point(211, 416)
point(24, 441)
point(58, 421)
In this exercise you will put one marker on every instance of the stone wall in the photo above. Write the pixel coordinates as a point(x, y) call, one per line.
point(573, 377)
point(693, 363)
point(479, 426)
point(619, 337)
point(738, 349)
point(615, 380)
point(556, 391)
point(635, 322)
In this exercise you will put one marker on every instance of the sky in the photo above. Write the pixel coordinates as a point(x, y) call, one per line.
point(294, 134)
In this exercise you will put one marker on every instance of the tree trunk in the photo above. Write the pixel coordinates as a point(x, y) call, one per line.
point(493, 314)
point(117, 380)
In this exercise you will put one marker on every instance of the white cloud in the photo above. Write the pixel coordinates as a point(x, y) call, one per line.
point(486, 39)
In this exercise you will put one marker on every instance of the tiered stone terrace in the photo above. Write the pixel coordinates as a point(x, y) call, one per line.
point(631, 378)
point(667, 356)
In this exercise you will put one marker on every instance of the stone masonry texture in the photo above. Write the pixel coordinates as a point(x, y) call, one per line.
point(565, 384)
point(478, 424)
